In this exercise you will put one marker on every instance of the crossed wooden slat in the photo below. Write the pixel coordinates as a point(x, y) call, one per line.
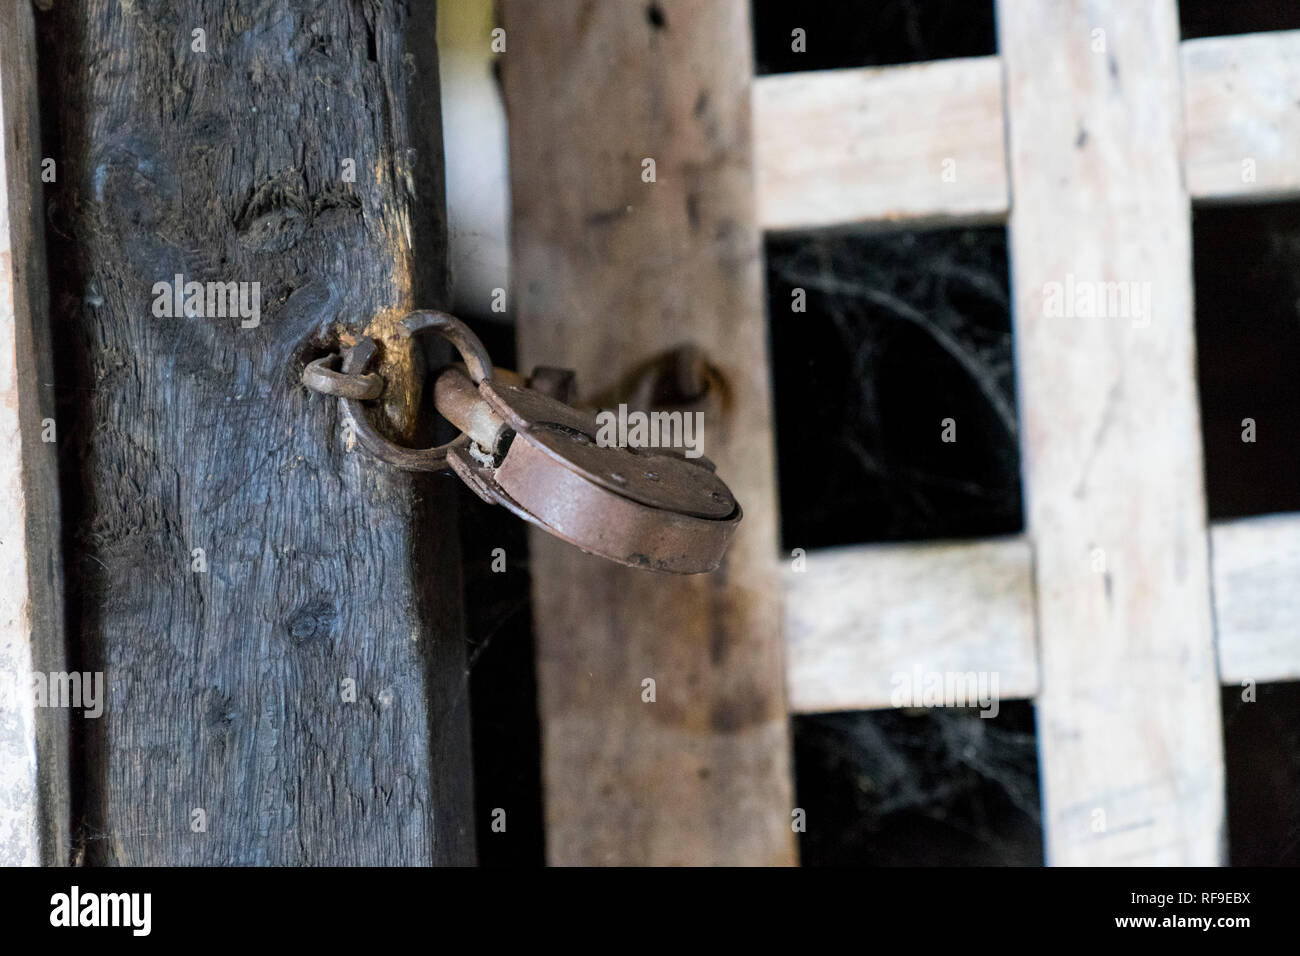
point(1126, 664)
point(843, 147)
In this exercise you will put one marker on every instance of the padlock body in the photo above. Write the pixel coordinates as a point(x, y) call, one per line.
point(645, 508)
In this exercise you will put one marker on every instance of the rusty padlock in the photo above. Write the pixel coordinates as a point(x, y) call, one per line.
point(539, 457)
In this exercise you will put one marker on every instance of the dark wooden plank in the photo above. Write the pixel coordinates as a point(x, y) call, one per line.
point(225, 688)
point(33, 740)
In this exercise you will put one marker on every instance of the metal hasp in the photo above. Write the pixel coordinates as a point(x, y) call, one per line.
point(650, 508)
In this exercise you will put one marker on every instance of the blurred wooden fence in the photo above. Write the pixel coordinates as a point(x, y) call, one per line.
point(1119, 611)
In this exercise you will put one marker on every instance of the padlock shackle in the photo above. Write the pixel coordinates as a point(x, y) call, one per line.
point(458, 400)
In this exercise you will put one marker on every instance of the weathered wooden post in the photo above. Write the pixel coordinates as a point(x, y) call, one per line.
point(279, 620)
point(635, 231)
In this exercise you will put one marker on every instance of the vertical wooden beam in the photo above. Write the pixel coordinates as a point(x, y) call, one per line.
point(1129, 733)
point(301, 698)
point(33, 741)
point(610, 269)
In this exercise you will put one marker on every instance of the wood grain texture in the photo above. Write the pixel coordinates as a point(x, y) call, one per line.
point(34, 756)
point(225, 688)
point(1242, 96)
point(858, 616)
point(608, 271)
point(1129, 728)
point(837, 147)
point(866, 146)
point(1256, 599)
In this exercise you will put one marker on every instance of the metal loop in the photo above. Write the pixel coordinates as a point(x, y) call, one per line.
point(319, 377)
point(358, 357)
point(456, 332)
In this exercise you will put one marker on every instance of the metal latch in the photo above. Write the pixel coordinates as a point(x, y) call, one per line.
point(527, 450)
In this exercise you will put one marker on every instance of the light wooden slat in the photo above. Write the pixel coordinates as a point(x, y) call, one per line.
point(1257, 598)
point(1129, 728)
point(608, 271)
point(858, 616)
point(865, 145)
point(33, 741)
point(861, 614)
point(1242, 95)
point(843, 147)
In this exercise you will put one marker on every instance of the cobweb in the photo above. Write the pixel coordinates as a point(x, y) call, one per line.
point(901, 331)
